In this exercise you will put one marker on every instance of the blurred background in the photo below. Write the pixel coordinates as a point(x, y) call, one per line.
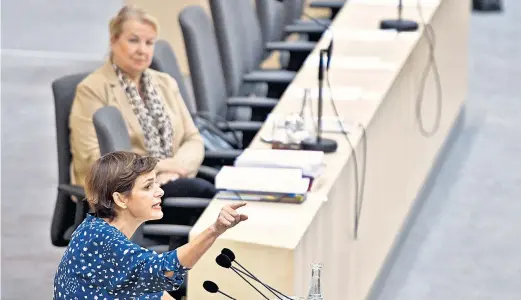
point(464, 243)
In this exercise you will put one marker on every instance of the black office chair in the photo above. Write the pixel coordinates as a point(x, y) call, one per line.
point(209, 80)
point(165, 60)
point(242, 48)
point(222, 145)
point(334, 6)
point(67, 213)
point(279, 20)
point(308, 29)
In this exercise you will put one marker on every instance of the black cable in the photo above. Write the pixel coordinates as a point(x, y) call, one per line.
point(362, 183)
point(430, 35)
point(359, 184)
point(326, 26)
point(208, 117)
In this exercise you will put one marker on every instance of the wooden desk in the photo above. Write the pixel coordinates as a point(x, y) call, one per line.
point(280, 241)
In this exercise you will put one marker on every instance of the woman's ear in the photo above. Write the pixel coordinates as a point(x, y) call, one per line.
point(120, 200)
point(113, 41)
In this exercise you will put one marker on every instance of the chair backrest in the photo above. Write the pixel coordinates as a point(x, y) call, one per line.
point(293, 10)
point(165, 60)
point(65, 210)
point(271, 14)
point(230, 38)
point(111, 130)
point(253, 44)
point(206, 70)
point(64, 91)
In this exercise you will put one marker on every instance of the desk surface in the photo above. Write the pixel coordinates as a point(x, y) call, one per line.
point(280, 241)
point(377, 82)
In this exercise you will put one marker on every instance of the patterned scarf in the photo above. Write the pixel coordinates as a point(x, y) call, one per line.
point(154, 121)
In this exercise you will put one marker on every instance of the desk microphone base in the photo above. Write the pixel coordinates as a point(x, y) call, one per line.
point(399, 25)
point(322, 144)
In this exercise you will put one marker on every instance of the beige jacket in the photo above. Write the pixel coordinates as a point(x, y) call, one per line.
point(102, 88)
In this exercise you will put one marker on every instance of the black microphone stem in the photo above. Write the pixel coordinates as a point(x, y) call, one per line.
point(400, 8)
point(251, 275)
point(250, 284)
point(271, 289)
point(327, 28)
point(320, 99)
point(226, 295)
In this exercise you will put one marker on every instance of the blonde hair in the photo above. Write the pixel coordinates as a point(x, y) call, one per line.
point(127, 13)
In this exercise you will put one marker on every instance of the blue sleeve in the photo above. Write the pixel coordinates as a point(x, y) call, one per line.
point(146, 268)
point(110, 262)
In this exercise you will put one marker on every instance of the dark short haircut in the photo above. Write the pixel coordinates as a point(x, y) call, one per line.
point(114, 172)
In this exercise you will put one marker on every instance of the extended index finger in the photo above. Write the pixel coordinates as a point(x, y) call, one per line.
point(238, 205)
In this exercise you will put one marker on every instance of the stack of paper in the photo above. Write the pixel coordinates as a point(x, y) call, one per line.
point(309, 163)
point(262, 180)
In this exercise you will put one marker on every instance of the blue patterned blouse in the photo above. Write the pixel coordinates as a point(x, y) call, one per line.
point(102, 263)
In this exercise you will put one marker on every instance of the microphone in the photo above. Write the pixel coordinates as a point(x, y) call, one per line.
point(223, 261)
point(230, 255)
point(226, 263)
point(211, 287)
point(318, 143)
point(399, 24)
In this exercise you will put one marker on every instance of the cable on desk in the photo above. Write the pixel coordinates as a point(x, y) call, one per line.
point(318, 22)
point(362, 182)
point(208, 117)
point(359, 182)
point(431, 63)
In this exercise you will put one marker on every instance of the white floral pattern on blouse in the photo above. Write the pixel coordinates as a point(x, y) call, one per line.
point(102, 263)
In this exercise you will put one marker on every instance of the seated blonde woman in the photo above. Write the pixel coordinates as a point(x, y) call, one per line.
point(158, 121)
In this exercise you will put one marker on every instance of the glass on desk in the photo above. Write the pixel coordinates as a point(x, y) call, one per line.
point(306, 114)
point(282, 137)
point(278, 131)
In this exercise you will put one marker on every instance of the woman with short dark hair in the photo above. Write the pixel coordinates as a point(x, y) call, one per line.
point(101, 262)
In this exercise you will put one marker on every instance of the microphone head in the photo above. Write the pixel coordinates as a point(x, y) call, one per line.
point(210, 286)
point(223, 261)
point(329, 54)
point(228, 253)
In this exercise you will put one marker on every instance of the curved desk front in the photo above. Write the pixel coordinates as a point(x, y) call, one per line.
point(376, 79)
